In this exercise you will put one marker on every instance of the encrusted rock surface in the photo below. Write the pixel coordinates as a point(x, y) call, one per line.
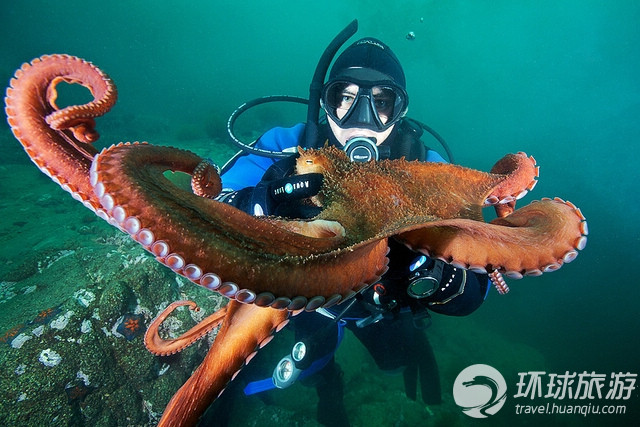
point(73, 351)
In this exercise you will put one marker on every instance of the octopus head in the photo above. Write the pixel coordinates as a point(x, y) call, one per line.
point(324, 161)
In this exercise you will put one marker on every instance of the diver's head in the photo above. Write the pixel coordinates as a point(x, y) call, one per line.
point(365, 95)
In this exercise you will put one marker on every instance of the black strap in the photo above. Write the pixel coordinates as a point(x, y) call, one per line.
point(296, 187)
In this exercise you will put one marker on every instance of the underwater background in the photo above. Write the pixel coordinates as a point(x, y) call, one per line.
point(559, 80)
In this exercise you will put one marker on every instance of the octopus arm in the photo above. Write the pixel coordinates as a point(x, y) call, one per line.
point(520, 171)
point(202, 238)
point(245, 329)
point(537, 238)
point(57, 140)
point(164, 347)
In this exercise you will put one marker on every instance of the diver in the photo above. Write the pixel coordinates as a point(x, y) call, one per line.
point(365, 102)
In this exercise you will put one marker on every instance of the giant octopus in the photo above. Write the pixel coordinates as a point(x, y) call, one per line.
point(271, 268)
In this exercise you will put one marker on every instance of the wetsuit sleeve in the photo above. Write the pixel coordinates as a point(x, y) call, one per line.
point(248, 169)
point(432, 283)
point(461, 292)
point(434, 156)
point(260, 185)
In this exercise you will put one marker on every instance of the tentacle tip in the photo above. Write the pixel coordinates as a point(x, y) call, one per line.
point(499, 282)
point(85, 133)
point(205, 179)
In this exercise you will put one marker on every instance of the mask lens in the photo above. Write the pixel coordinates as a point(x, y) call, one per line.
point(388, 102)
point(340, 99)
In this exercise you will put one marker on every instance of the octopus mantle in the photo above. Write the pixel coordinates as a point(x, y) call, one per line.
point(269, 266)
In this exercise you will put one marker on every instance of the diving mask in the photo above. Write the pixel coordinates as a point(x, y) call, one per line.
point(375, 107)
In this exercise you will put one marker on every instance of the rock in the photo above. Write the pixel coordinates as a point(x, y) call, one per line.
point(64, 362)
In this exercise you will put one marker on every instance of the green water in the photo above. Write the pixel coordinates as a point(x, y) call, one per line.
point(556, 79)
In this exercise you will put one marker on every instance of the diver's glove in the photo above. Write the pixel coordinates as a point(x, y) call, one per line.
point(445, 289)
point(238, 199)
point(425, 277)
point(279, 192)
point(282, 197)
point(279, 197)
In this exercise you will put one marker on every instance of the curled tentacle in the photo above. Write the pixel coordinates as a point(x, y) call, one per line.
point(79, 118)
point(245, 329)
point(205, 179)
point(499, 282)
point(58, 140)
point(162, 347)
point(521, 172)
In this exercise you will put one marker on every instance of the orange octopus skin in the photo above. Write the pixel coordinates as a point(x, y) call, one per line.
point(66, 156)
point(57, 140)
point(221, 248)
point(245, 329)
point(290, 265)
point(435, 208)
point(161, 347)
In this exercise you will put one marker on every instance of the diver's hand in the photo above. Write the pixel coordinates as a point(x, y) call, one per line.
point(282, 196)
point(295, 187)
point(425, 277)
point(446, 289)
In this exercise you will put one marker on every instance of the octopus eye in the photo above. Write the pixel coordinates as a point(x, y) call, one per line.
point(309, 161)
